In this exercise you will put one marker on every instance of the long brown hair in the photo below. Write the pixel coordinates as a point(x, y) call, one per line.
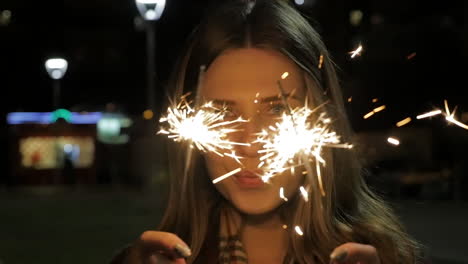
point(350, 211)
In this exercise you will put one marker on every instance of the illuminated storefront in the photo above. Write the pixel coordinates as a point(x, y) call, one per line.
point(53, 147)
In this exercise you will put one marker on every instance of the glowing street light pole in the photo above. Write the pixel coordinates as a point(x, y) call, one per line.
point(150, 11)
point(56, 68)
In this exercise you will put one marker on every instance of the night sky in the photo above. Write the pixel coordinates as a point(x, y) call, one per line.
point(105, 49)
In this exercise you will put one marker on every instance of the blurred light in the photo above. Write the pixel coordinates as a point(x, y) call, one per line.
point(355, 17)
point(304, 193)
point(350, 99)
point(320, 61)
point(432, 113)
point(109, 128)
point(61, 113)
point(67, 148)
point(5, 17)
point(125, 122)
point(16, 118)
point(380, 108)
point(375, 100)
point(393, 141)
point(285, 226)
point(305, 3)
point(409, 57)
point(151, 9)
point(403, 122)
point(371, 113)
point(376, 110)
point(148, 114)
point(6, 14)
point(56, 67)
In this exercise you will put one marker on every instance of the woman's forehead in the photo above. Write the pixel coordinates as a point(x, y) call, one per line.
point(250, 71)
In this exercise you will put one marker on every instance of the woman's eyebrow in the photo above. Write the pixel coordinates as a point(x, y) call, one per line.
point(223, 102)
point(275, 98)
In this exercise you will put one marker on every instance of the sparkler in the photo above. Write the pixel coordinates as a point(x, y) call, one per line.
point(450, 117)
point(205, 128)
point(296, 140)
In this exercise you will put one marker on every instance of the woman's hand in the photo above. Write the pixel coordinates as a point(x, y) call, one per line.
point(154, 247)
point(354, 253)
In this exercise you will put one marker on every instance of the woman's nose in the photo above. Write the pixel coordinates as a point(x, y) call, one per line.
point(247, 134)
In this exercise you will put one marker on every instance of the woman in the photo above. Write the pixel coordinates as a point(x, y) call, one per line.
point(246, 47)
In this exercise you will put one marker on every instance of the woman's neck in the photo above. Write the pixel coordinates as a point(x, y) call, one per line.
point(264, 238)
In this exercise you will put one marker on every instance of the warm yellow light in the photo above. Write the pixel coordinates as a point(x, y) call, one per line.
point(148, 114)
point(371, 113)
point(380, 108)
point(403, 122)
point(320, 62)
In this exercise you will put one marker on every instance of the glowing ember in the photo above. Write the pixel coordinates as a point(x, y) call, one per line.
point(393, 141)
point(432, 113)
point(298, 230)
point(356, 52)
point(320, 61)
point(403, 122)
point(282, 194)
point(227, 175)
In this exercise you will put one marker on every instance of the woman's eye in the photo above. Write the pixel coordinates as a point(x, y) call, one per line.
point(228, 112)
point(276, 109)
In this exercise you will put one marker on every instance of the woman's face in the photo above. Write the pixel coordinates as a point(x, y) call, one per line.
point(246, 82)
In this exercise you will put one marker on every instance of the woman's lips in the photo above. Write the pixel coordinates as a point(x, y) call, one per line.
point(248, 179)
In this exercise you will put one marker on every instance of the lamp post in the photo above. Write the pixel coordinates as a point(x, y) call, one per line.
point(56, 68)
point(150, 11)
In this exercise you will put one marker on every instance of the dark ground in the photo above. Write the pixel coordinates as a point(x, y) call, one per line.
point(53, 225)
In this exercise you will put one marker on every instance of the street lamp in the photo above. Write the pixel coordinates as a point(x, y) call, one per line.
point(56, 68)
point(150, 11)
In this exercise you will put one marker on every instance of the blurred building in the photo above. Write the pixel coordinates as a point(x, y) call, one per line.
point(52, 147)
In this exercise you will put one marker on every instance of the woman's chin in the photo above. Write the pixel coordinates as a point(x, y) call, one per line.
point(257, 207)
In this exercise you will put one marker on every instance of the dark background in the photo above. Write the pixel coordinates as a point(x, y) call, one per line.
point(104, 44)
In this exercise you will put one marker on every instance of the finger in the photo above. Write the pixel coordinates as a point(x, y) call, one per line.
point(167, 244)
point(355, 253)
